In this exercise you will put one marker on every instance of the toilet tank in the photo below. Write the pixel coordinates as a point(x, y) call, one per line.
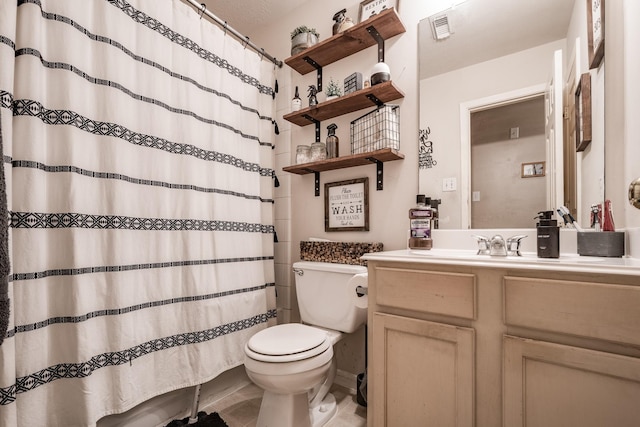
point(327, 295)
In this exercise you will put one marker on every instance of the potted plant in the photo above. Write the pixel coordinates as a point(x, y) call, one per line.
point(333, 90)
point(303, 37)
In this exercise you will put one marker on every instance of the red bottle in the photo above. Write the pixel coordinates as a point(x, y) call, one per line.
point(607, 217)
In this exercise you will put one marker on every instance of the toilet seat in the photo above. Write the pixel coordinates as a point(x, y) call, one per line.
point(288, 342)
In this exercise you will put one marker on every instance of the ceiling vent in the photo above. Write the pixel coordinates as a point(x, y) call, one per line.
point(440, 26)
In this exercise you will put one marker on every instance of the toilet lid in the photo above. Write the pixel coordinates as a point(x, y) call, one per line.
point(286, 339)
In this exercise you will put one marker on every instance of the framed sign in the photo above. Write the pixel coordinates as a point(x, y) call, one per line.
point(533, 169)
point(583, 112)
point(369, 8)
point(346, 205)
point(595, 32)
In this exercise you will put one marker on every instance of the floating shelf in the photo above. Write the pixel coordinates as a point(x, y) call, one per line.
point(348, 42)
point(367, 97)
point(377, 157)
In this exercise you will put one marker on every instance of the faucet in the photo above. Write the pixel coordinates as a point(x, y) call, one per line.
point(513, 245)
point(483, 244)
point(497, 246)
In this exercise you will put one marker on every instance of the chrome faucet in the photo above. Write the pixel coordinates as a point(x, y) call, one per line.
point(483, 245)
point(497, 246)
point(513, 245)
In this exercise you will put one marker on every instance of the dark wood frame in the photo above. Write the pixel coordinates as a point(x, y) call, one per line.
point(347, 203)
point(387, 5)
point(595, 47)
point(583, 112)
point(533, 175)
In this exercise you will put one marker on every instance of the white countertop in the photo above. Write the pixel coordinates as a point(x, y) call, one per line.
point(528, 261)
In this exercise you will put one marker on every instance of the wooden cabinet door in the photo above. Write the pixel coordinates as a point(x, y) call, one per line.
point(553, 385)
point(421, 373)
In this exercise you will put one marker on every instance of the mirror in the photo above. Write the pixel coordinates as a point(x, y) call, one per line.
point(496, 56)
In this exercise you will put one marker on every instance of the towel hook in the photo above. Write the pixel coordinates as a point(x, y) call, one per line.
point(203, 9)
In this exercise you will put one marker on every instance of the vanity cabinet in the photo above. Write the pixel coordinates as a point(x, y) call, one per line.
point(470, 345)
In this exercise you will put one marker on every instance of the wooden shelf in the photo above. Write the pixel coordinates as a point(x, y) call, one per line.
point(350, 41)
point(373, 157)
point(384, 92)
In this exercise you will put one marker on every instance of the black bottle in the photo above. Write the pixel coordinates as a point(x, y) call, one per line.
point(548, 236)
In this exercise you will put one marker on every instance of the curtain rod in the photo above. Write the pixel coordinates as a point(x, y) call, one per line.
point(202, 8)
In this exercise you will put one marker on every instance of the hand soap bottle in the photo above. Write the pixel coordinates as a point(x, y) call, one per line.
point(420, 222)
point(548, 236)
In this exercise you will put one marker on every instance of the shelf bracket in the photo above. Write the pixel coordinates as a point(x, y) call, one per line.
point(379, 172)
point(378, 38)
point(318, 68)
point(317, 183)
point(316, 176)
point(317, 123)
point(375, 100)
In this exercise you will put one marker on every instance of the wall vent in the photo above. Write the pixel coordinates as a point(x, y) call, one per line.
point(440, 26)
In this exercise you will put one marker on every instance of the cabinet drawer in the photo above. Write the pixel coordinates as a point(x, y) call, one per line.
point(451, 294)
point(595, 310)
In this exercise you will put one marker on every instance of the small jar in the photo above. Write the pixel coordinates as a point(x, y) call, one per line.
point(303, 154)
point(318, 151)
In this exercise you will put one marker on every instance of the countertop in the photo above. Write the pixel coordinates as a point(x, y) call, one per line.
point(528, 261)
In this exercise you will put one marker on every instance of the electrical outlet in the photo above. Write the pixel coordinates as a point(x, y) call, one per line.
point(449, 184)
point(475, 196)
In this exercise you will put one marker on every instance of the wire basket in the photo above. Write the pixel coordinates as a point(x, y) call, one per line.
point(377, 129)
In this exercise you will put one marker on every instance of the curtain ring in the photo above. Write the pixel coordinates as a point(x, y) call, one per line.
point(225, 27)
point(246, 41)
point(261, 53)
point(203, 9)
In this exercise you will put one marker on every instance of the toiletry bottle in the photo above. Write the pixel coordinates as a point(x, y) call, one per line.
point(332, 142)
point(548, 236)
point(420, 223)
point(296, 102)
point(607, 217)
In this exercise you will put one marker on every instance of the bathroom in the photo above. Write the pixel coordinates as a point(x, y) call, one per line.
point(298, 214)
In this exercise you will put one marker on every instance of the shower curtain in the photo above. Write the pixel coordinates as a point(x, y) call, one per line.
point(139, 172)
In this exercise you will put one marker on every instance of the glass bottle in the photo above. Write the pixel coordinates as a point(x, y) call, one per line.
point(296, 102)
point(332, 142)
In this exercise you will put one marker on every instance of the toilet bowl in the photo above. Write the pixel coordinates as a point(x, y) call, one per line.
point(294, 363)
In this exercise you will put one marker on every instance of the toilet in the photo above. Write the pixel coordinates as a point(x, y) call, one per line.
point(294, 363)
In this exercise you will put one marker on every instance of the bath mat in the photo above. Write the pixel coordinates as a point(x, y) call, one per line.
point(204, 420)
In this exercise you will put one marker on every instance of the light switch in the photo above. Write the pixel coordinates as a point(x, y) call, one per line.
point(475, 196)
point(449, 184)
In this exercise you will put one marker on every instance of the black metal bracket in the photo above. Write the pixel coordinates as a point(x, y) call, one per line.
point(317, 123)
point(379, 172)
point(378, 38)
point(375, 100)
point(317, 183)
point(318, 68)
point(316, 176)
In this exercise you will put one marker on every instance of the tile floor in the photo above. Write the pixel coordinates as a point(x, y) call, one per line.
point(241, 408)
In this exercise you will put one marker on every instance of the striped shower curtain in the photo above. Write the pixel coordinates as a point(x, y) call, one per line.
point(137, 141)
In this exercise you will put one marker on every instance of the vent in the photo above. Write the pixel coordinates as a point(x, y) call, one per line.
point(440, 26)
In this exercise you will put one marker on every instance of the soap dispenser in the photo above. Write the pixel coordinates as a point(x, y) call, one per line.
point(548, 235)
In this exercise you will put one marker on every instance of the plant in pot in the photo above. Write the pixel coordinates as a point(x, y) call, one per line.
point(303, 37)
point(333, 90)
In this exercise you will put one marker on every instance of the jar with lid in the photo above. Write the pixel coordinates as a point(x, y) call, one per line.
point(318, 151)
point(303, 154)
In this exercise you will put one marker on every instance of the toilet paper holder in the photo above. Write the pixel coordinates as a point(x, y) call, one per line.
point(361, 291)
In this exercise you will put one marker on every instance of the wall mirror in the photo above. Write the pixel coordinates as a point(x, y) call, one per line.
point(495, 77)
